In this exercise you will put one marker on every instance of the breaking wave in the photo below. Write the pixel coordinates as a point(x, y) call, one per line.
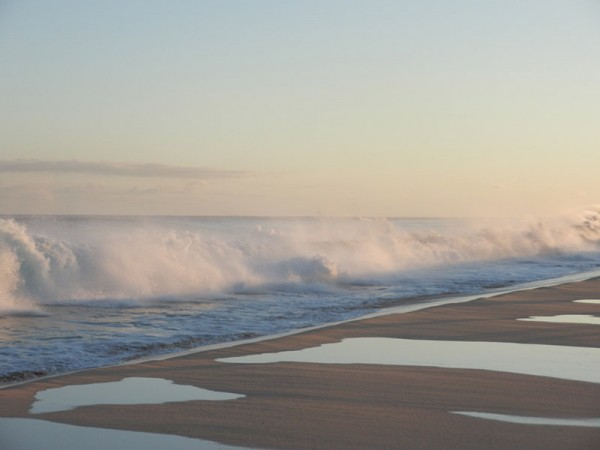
point(53, 260)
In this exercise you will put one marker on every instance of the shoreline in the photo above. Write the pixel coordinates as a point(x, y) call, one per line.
point(302, 405)
point(415, 304)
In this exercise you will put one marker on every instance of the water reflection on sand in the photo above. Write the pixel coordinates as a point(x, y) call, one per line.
point(592, 301)
point(33, 434)
point(565, 318)
point(128, 391)
point(557, 361)
point(528, 420)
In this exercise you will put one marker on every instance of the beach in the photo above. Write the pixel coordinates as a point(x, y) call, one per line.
point(299, 225)
point(346, 405)
point(86, 292)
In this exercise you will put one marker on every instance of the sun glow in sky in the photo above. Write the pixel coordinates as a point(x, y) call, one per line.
point(308, 107)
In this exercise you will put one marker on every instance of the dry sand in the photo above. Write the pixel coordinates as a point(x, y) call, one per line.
point(354, 406)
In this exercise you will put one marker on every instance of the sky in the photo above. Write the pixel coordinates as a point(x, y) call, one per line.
point(294, 108)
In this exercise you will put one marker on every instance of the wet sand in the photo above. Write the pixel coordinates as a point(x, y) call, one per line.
point(295, 405)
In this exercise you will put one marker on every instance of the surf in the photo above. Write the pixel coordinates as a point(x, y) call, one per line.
point(65, 260)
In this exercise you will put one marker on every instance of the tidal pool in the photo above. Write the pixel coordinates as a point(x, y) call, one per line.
point(557, 361)
point(565, 318)
point(128, 391)
point(528, 420)
point(33, 434)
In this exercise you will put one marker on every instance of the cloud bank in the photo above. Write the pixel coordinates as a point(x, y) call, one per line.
point(116, 169)
point(36, 186)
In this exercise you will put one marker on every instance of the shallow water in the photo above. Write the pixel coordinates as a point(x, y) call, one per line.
point(128, 391)
point(80, 292)
point(32, 434)
point(593, 422)
point(565, 318)
point(556, 361)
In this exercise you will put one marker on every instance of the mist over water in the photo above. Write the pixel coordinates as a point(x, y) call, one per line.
point(85, 291)
point(50, 260)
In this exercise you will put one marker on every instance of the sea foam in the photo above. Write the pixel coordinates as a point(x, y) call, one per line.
point(53, 260)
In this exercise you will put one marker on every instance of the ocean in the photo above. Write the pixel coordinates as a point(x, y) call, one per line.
point(88, 291)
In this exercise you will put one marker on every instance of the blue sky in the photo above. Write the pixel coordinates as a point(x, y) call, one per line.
point(386, 108)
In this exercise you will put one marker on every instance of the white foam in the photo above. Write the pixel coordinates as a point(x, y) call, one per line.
point(56, 260)
point(565, 318)
point(128, 391)
point(32, 434)
point(591, 301)
point(557, 361)
point(527, 420)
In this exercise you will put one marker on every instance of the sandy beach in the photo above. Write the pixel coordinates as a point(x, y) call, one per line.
point(294, 225)
point(316, 405)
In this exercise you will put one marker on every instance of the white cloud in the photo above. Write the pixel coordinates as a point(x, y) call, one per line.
point(74, 187)
point(127, 197)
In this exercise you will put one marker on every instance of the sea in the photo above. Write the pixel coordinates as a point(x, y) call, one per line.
point(89, 291)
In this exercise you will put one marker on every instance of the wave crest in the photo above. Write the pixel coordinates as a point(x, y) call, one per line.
point(60, 260)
